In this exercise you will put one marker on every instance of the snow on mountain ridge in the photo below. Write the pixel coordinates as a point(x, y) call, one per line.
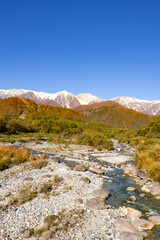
point(130, 99)
point(43, 95)
point(69, 100)
point(87, 98)
point(143, 106)
point(63, 98)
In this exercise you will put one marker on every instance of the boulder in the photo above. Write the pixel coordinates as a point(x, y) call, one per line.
point(155, 190)
point(95, 203)
point(155, 220)
point(130, 236)
point(85, 179)
point(145, 224)
point(133, 214)
point(126, 226)
point(100, 193)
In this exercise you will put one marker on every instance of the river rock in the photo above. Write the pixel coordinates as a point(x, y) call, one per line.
point(77, 201)
point(145, 189)
point(3, 205)
point(126, 226)
point(85, 179)
point(80, 168)
point(95, 203)
point(133, 214)
point(130, 236)
point(96, 170)
point(47, 176)
point(110, 181)
point(132, 198)
point(28, 233)
point(131, 189)
point(41, 228)
point(7, 194)
point(155, 190)
point(155, 220)
point(100, 193)
point(28, 179)
point(47, 235)
point(141, 174)
point(125, 210)
point(142, 195)
point(145, 224)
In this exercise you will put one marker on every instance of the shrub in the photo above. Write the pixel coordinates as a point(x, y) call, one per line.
point(15, 126)
point(3, 123)
point(46, 186)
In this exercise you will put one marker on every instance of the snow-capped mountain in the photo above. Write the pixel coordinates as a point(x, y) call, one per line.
point(60, 99)
point(143, 106)
point(88, 99)
point(69, 100)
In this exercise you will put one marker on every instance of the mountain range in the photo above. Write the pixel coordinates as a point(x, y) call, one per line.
point(115, 114)
point(69, 100)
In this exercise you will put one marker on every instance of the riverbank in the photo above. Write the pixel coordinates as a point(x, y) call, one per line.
point(69, 195)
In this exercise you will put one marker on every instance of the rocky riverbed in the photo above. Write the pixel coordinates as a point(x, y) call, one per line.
point(65, 199)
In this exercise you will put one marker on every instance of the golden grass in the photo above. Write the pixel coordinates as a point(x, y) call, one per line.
point(148, 157)
point(11, 155)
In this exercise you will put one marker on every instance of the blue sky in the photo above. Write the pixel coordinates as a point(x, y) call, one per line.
point(106, 47)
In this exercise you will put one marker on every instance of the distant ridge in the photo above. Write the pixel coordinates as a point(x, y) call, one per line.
point(69, 100)
point(115, 114)
point(143, 106)
point(28, 109)
point(60, 99)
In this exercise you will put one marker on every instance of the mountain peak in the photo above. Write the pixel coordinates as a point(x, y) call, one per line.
point(64, 92)
point(87, 99)
point(143, 106)
point(69, 100)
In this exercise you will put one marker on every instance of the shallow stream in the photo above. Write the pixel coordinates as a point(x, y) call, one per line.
point(116, 182)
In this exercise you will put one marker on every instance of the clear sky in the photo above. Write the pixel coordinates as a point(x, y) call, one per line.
point(105, 47)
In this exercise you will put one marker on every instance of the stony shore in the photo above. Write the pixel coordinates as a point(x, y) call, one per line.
point(73, 195)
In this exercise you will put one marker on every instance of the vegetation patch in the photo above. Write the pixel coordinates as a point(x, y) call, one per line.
point(57, 224)
point(10, 156)
point(30, 191)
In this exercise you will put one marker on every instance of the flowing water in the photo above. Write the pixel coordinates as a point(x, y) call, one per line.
point(116, 182)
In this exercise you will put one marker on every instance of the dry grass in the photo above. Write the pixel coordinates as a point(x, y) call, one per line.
point(38, 163)
point(148, 157)
point(10, 156)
